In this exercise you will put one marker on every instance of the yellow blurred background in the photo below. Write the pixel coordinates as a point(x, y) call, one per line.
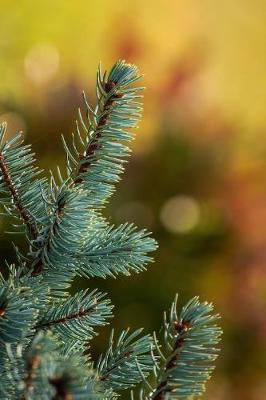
point(197, 174)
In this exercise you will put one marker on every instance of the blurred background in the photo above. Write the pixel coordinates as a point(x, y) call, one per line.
point(197, 175)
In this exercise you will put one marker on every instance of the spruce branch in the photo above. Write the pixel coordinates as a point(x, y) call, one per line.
point(190, 339)
point(81, 242)
point(44, 332)
point(116, 250)
point(98, 164)
point(97, 154)
point(110, 94)
point(93, 146)
point(105, 129)
point(118, 367)
point(77, 316)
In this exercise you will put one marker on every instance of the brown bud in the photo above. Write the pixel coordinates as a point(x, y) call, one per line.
point(180, 326)
point(109, 85)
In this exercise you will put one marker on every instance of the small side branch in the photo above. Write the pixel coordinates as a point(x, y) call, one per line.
point(38, 266)
point(105, 112)
point(75, 315)
point(163, 388)
point(123, 357)
point(26, 218)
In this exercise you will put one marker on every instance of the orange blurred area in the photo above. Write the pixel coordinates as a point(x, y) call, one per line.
point(197, 174)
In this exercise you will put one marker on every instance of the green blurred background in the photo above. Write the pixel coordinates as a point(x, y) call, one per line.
point(197, 174)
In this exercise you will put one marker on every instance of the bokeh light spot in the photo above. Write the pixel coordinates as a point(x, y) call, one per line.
point(41, 63)
point(180, 214)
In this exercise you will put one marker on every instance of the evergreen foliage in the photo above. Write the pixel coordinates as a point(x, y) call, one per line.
point(45, 331)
